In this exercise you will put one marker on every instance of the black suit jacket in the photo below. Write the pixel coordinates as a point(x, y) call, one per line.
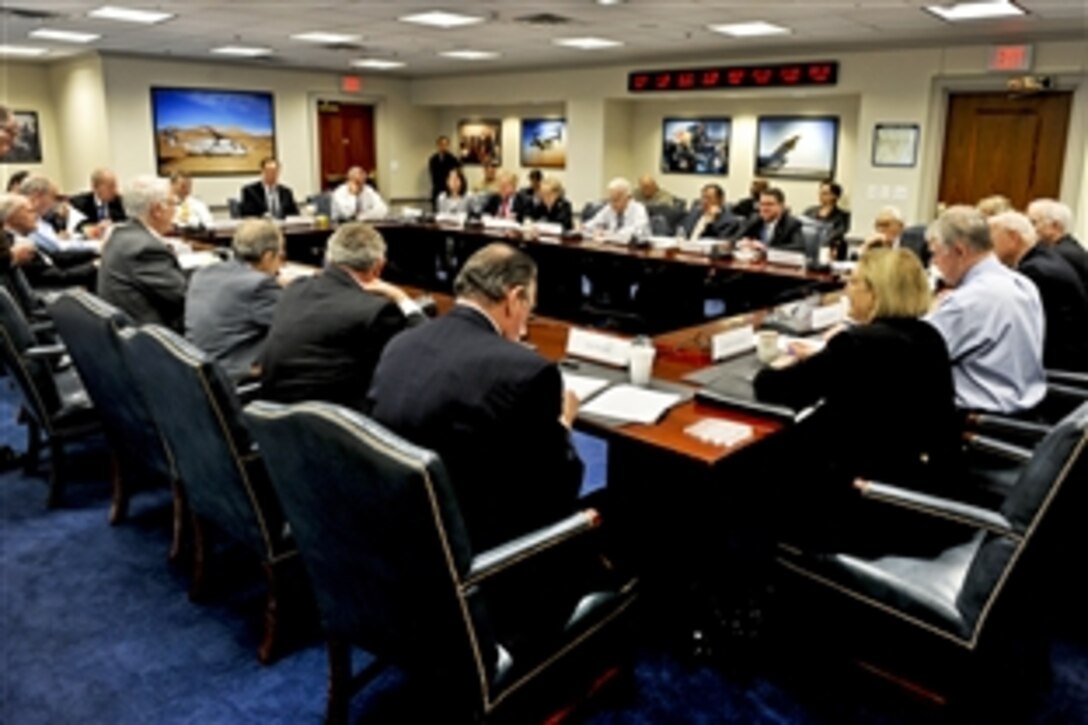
point(561, 213)
point(914, 239)
point(254, 203)
point(722, 226)
point(1065, 304)
point(522, 207)
point(490, 408)
point(746, 207)
point(140, 275)
point(440, 166)
point(84, 204)
point(838, 220)
point(888, 400)
point(787, 232)
point(326, 337)
point(1074, 253)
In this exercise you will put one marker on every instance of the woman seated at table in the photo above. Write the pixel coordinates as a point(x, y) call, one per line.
point(553, 207)
point(885, 383)
point(454, 199)
point(828, 210)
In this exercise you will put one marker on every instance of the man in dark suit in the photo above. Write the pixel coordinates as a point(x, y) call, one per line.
point(892, 232)
point(268, 196)
point(139, 273)
point(17, 218)
point(329, 330)
point(508, 203)
point(1054, 223)
point(1065, 300)
point(229, 307)
point(100, 207)
point(772, 226)
point(748, 206)
point(441, 163)
point(709, 218)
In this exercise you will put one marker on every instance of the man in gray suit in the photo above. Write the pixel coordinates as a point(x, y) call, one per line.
point(229, 306)
point(139, 272)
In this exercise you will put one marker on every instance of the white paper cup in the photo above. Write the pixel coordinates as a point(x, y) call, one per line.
point(767, 346)
point(642, 364)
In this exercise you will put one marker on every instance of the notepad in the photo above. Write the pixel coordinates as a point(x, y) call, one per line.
point(630, 404)
point(195, 260)
point(583, 386)
point(722, 433)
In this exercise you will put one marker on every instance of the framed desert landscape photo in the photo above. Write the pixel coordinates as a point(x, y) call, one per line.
point(210, 132)
point(544, 143)
point(480, 142)
point(26, 147)
point(797, 147)
point(695, 146)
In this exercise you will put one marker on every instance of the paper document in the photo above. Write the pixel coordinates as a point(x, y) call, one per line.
point(631, 404)
point(719, 432)
point(583, 386)
point(195, 260)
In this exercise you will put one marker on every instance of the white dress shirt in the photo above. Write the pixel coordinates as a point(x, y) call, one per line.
point(633, 221)
point(192, 212)
point(367, 204)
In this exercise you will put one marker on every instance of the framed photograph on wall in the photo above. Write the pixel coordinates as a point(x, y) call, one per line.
point(544, 143)
point(695, 145)
point(26, 147)
point(212, 132)
point(480, 142)
point(797, 147)
point(896, 144)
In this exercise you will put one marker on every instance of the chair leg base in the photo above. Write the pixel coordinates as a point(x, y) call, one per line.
point(273, 635)
point(56, 476)
point(181, 515)
point(336, 711)
point(198, 586)
point(119, 502)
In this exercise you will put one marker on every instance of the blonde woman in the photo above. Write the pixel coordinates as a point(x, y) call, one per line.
point(553, 207)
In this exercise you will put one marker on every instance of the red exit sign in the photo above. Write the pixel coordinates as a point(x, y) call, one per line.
point(773, 75)
point(1013, 58)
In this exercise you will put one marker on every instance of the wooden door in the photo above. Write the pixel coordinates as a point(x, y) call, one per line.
point(1001, 144)
point(346, 132)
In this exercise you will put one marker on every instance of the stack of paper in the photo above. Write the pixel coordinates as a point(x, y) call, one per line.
point(195, 260)
point(583, 386)
point(630, 404)
point(718, 432)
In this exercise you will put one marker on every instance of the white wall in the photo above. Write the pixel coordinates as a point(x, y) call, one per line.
point(26, 87)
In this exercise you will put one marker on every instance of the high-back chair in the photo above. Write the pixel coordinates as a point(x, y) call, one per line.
point(390, 562)
point(55, 403)
point(226, 484)
point(89, 327)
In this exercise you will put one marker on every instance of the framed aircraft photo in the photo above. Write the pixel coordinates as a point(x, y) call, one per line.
point(695, 146)
point(797, 147)
point(544, 143)
point(208, 132)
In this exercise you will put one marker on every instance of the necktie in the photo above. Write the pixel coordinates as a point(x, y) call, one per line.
point(358, 205)
point(619, 221)
point(183, 217)
point(273, 202)
point(504, 213)
point(102, 214)
point(768, 232)
point(697, 232)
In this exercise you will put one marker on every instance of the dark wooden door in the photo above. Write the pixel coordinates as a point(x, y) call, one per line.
point(1002, 144)
point(346, 132)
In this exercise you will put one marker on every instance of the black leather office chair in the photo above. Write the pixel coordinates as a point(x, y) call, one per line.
point(89, 327)
point(391, 565)
point(590, 210)
point(660, 226)
point(234, 208)
point(225, 480)
point(949, 587)
point(322, 203)
point(55, 403)
point(815, 234)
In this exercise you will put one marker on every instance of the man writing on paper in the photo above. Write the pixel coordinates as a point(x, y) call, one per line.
point(622, 216)
point(356, 200)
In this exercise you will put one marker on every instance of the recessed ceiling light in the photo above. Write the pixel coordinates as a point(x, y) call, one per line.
point(441, 19)
point(242, 51)
point(749, 30)
point(587, 43)
point(22, 50)
point(377, 63)
point(975, 10)
point(326, 38)
point(66, 36)
point(609, 2)
point(470, 54)
point(129, 15)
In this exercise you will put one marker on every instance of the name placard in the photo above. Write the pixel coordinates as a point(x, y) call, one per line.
point(732, 342)
point(784, 258)
point(827, 315)
point(598, 348)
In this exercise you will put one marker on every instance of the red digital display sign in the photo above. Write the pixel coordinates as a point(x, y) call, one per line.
point(781, 75)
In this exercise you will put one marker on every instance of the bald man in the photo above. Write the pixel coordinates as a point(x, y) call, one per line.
point(100, 207)
point(649, 193)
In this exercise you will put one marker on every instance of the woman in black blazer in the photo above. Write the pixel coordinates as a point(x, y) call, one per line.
point(553, 207)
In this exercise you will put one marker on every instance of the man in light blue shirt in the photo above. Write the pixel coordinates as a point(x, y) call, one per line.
point(42, 194)
point(622, 217)
point(991, 319)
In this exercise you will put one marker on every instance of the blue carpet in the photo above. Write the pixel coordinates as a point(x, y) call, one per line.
point(96, 627)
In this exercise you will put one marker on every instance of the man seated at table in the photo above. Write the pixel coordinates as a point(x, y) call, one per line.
point(140, 274)
point(356, 200)
point(99, 208)
point(507, 203)
point(489, 184)
point(329, 330)
point(553, 207)
point(61, 261)
point(1054, 226)
point(622, 216)
point(772, 227)
point(1065, 300)
point(16, 251)
point(229, 306)
point(709, 218)
point(649, 193)
point(891, 232)
point(749, 205)
point(268, 197)
point(191, 212)
point(991, 319)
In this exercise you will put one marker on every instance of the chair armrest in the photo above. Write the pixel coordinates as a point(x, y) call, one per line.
point(1065, 377)
point(45, 352)
point(987, 444)
point(937, 506)
point(1068, 391)
point(1004, 424)
point(503, 556)
point(248, 392)
point(40, 326)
